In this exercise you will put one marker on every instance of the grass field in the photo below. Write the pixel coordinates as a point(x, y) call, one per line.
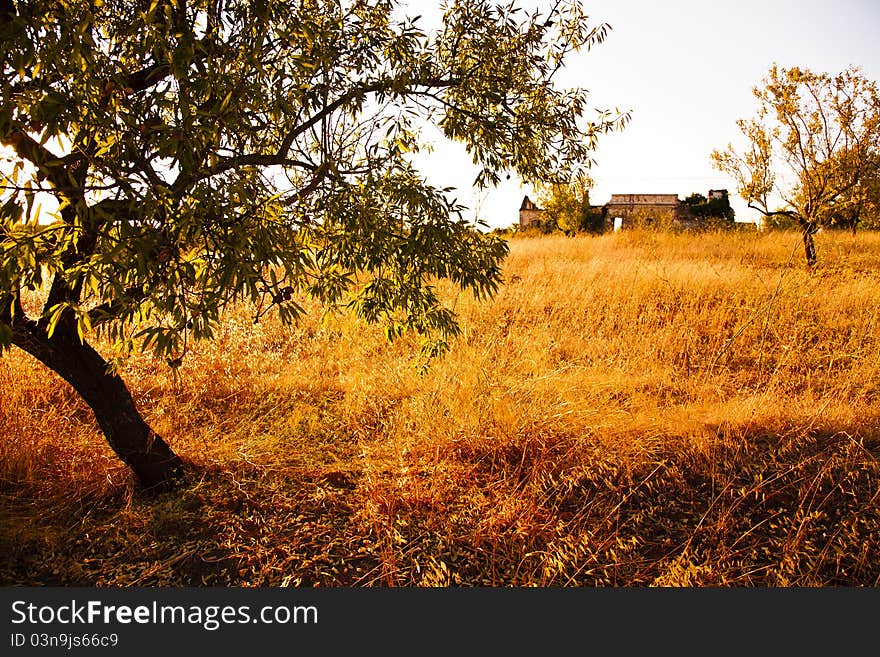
point(630, 410)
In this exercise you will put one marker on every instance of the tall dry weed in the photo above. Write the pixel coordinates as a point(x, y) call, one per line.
point(632, 409)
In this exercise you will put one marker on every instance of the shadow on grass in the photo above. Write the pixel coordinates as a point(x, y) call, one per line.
point(750, 509)
point(238, 526)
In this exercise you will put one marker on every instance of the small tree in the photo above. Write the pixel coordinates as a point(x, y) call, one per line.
point(567, 206)
point(859, 203)
point(714, 210)
point(812, 143)
point(203, 153)
point(865, 209)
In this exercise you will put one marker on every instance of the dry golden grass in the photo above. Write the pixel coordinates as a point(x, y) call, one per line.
point(634, 409)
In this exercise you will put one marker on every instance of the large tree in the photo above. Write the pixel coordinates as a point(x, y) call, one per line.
point(203, 152)
point(810, 150)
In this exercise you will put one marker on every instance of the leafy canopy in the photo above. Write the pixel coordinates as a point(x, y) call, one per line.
point(203, 152)
point(567, 206)
point(717, 207)
point(813, 147)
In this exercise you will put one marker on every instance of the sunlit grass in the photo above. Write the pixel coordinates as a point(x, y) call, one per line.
point(631, 409)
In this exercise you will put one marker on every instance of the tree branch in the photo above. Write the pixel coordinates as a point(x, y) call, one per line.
point(11, 310)
point(234, 162)
point(375, 87)
point(281, 157)
point(51, 167)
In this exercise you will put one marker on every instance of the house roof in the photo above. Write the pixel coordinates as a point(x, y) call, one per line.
point(644, 199)
point(528, 204)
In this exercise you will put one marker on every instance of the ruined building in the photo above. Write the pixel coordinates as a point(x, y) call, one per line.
point(626, 209)
point(529, 213)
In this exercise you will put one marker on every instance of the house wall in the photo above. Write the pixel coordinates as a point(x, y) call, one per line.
point(633, 209)
point(528, 216)
point(642, 200)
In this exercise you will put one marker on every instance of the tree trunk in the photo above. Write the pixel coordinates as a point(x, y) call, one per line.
point(156, 466)
point(809, 229)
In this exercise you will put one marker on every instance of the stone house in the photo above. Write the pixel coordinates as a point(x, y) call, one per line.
point(626, 209)
point(529, 212)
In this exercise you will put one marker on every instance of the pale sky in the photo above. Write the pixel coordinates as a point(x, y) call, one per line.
point(686, 69)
